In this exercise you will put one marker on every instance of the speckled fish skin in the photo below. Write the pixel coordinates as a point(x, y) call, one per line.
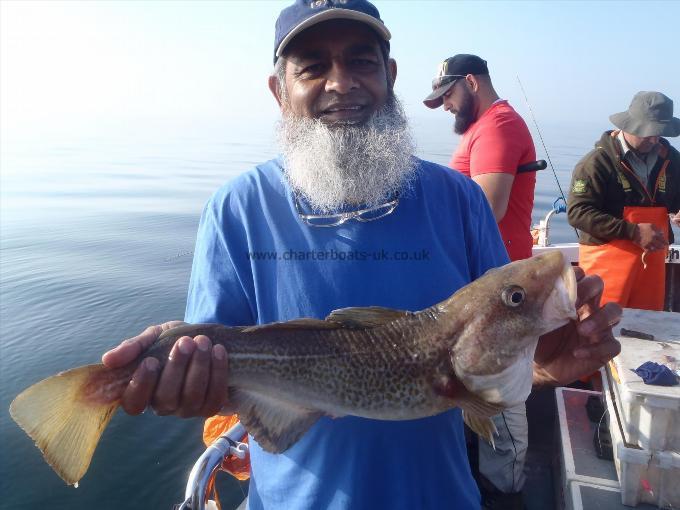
point(384, 372)
point(388, 371)
point(369, 362)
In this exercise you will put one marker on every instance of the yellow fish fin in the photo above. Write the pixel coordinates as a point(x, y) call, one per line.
point(484, 427)
point(65, 418)
point(477, 414)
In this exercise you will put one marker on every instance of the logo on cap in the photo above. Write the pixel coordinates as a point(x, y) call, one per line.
point(324, 3)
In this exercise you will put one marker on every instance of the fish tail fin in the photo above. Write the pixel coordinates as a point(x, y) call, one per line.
point(483, 427)
point(66, 418)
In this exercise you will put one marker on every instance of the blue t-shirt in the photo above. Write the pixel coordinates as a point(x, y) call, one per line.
point(256, 262)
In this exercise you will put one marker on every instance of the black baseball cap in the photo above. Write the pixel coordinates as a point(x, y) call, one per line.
point(450, 71)
point(307, 13)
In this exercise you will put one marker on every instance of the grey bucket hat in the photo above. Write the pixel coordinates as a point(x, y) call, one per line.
point(649, 114)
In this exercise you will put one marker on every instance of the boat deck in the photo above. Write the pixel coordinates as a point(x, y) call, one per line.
point(540, 488)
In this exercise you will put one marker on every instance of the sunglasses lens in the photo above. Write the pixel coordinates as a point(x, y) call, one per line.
point(320, 221)
point(378, 212)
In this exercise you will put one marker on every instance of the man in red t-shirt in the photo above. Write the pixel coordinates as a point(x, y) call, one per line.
point(495, 142)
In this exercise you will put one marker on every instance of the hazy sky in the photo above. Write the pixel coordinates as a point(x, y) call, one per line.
point(74, 67)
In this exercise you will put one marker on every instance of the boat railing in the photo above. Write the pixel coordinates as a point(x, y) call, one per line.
point(543, 227)
point(207, 465)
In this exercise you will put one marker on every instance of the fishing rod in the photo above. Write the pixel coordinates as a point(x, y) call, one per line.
point(540, 135)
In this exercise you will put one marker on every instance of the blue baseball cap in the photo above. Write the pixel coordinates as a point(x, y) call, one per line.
point(307, 13)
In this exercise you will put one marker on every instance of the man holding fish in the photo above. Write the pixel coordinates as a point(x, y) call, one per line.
point(361, 409)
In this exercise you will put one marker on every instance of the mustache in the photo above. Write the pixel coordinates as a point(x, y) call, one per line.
point(334, 165)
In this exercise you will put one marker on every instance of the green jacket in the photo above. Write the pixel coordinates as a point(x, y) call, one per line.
point(602, 185)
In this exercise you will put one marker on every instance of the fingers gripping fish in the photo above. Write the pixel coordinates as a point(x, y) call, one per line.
point(372, 362)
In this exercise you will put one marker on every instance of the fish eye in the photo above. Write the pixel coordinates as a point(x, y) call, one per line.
point(513, 296)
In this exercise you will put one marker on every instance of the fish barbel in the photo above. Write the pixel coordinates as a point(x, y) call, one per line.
point(371, 362)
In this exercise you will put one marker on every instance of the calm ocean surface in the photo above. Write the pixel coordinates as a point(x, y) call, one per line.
point(97, 236)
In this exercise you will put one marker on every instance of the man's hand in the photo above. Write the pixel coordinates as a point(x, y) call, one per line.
point(675, 218)
point(649, 237)
point(581, 347)
point(192, 382)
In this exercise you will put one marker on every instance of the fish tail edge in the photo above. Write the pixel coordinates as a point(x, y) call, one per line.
point(64, 425)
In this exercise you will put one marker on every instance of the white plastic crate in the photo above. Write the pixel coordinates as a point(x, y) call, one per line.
point(650, 415)
point(578, 461)
point(588, 496)
point(645, 476)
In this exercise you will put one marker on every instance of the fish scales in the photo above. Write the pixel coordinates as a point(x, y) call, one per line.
point(375, 370)
point(370, 362)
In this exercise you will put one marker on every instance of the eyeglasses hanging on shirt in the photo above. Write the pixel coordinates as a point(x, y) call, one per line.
point(333, 220)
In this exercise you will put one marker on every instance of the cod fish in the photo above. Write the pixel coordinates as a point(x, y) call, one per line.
point(371, 362)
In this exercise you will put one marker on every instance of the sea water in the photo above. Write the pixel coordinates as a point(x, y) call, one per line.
point(97, 234)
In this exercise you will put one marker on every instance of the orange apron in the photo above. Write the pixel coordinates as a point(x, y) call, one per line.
point(619, 264)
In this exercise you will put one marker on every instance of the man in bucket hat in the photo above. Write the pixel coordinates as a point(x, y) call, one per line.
point(346, 182)
point(621, 195)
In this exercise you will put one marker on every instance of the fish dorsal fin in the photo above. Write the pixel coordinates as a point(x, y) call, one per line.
point(366, 317)
point(304, 323)
point(276, 425)
point(188, 330)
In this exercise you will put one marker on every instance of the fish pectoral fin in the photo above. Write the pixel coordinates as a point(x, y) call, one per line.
point(484, 427)
point(477, 414)
point(276, 425)
point(64, 423)
point(366, 317)
point(304, 323)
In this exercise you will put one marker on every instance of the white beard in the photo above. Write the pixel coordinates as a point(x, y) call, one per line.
point(332, 166)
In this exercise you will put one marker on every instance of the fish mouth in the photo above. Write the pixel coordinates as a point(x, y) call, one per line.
point(560, 307)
